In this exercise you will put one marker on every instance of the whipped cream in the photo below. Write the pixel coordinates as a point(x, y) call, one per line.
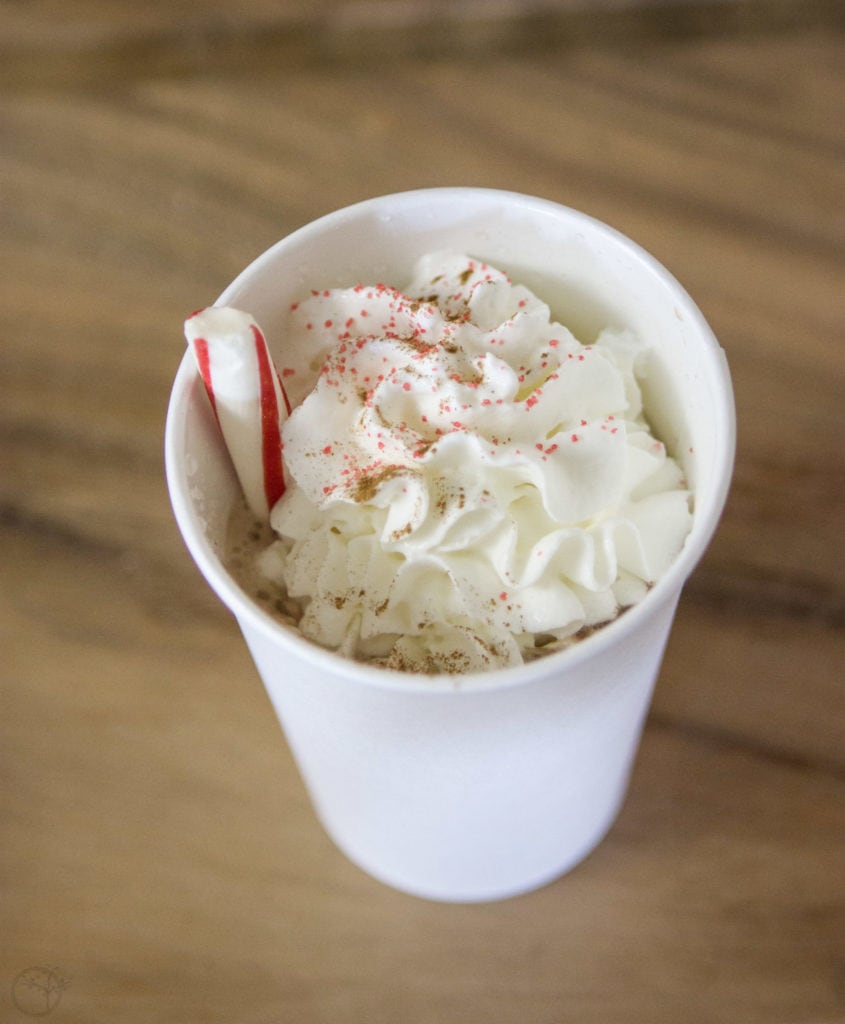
point(468, 486)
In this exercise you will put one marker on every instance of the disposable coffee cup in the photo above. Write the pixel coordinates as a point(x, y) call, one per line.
point(485, 785)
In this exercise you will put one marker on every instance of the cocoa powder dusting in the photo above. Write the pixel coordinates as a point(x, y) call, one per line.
point(368, 484)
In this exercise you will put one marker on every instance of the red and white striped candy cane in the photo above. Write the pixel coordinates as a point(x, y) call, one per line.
point(247, 397)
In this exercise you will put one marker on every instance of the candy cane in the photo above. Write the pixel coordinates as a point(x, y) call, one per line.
point(247, 397)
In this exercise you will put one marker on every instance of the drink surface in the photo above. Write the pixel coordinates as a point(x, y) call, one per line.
point(468, 486)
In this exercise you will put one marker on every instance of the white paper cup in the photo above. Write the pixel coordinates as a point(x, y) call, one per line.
point(487, 785)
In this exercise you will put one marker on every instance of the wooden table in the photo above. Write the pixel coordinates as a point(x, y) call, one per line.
point(158, 851)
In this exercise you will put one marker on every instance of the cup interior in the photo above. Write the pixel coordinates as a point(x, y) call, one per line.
point(591, 276)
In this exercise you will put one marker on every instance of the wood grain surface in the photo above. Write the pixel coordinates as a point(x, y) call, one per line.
point(158, 851)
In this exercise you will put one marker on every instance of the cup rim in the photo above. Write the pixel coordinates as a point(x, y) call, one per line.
point(668, 587)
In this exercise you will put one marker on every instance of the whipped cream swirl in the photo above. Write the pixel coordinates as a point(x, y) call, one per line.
point(469, 486)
